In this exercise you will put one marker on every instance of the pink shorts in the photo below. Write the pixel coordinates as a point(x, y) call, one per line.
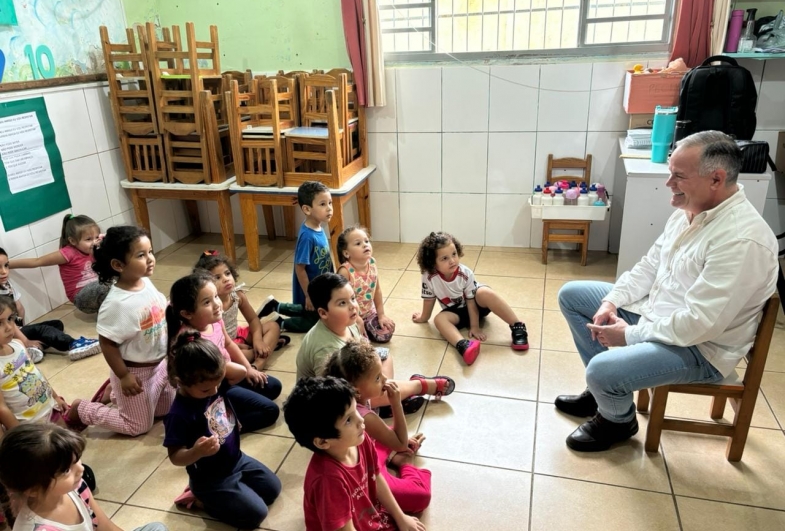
point(242, 335)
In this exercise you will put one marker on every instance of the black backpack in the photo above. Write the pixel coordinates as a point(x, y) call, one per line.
point(719, 98)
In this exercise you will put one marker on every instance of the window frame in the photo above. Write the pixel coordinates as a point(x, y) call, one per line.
point(582, 50)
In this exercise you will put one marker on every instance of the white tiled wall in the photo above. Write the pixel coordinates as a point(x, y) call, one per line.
point(460, 148)
point(93, 168)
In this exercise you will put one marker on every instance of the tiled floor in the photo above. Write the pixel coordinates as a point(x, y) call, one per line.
point(496, 446)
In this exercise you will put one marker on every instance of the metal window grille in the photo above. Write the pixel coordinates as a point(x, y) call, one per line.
point(427, 29)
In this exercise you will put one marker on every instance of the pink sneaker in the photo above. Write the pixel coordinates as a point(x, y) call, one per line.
point(469, 349)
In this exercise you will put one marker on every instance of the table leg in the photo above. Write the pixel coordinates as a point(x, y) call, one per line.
point(140, 209)
point(192, 208)
point(227, 224)
point(269, 221)
point(250, 220)
point(364, 205)
point(288, 222)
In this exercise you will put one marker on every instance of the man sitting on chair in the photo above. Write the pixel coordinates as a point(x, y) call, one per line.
point(688, 311)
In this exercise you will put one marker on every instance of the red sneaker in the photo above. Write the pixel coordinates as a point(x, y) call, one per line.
point(469, 349)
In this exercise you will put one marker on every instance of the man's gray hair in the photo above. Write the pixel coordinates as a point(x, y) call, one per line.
point(718, 151)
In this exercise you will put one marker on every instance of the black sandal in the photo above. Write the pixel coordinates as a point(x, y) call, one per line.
point(282, 342)
point(410, 405)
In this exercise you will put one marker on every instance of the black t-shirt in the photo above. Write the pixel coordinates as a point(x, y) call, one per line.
point(192, 418)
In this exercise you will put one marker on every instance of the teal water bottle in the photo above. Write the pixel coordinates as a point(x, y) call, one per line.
point(662, 132)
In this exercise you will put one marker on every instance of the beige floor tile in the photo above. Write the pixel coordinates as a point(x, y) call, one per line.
point(697, 407)
point(286, 514)
point(559, 503)
point(278, 278)
point(58, 313)
point(509, 265)
point(517, 292)
point(478, 429)
point(53, 364)
point(401, 310)
point(168, 480)
point(252, 278)
point(498, 332)
point(121, 463)
point(552, 287)
point(256, 296)
point(288, 379)
point(556, 334)
point(416, 356)
point(702, 515)
point(512, 250)
point(78, 324)
point(284, 360)
point(393, 255)
point(129, 517)
point(776, 358)
point(208, 241)
point(80, 379)
point(109, 508)
point(561, 373)
point(409, 286)
point(388, 280)
point(698, 468)
point(276, 251)
point(166, 251)
point(498, 371)
point(503, 496)
point(567, 265)
point(164, 285)
point(773, 386)
point(624, 465)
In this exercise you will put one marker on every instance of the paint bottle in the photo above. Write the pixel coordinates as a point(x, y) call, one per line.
point(583, 200)
point(537, 196)
point(558, 198)
point(601, 195)
point(547, 198)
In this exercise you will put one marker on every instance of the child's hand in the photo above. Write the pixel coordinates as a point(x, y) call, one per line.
point(387, 324)
point(256, 377)
point(130, 385)
point(261, 350)
point(410, 523)
point(207, 446)
point(391, 390)
point(415, 442)
point(476, 333)
point(34, 344)
point(308, 304)
point(417, 318)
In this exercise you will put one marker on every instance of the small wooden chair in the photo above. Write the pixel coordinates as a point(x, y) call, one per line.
point(582, 236)
point(742, 395)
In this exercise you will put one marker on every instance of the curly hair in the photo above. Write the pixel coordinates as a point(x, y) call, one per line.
point(426, 254)
point(351, 362)
point(209, 260)
point(343, 243)
point(115, 246)
point(308, 191)
point(193, 360)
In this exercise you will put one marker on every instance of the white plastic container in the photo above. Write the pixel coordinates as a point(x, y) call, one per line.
point(537, 196)
point(547, 199)
point(586, 213)
point(583, 199)
point(558, 199)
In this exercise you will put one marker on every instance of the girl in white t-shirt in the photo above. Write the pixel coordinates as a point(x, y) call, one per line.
point(132, 331)
point(41, 468)
point(464, 302)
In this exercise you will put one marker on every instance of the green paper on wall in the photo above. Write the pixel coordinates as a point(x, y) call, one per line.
point(32, 183)
point(7, 13)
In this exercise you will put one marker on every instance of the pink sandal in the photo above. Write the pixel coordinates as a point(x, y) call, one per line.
point(186, 499)
point(444, 384)
point(99, 395)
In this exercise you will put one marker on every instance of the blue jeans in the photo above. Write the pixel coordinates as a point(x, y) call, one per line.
point(613, 375)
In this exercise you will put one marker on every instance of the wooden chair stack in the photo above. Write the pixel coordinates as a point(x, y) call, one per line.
point(133, 107)
point(187, 84)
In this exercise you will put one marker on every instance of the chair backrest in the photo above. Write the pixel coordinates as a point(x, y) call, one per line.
point(204, 57)
point(756, 358)
point(313, 99)
point(569, 163)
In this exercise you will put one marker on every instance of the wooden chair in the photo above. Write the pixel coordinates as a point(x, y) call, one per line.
point(288, 98)
point(742, 395)
point(582, 227)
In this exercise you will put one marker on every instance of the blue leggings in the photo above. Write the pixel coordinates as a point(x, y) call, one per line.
point(254, 406)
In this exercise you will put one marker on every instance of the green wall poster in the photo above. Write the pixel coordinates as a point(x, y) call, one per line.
point(32, 184)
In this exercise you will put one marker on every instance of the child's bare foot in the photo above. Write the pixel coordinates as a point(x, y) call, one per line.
point(437, 386)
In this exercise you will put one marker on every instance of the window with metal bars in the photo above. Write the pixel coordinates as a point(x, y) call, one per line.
point(427, 29)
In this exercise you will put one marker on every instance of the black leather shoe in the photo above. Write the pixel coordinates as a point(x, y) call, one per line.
point(599, 434)
point(582, 405)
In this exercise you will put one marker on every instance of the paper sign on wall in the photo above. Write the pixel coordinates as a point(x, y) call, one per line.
point(32, 183)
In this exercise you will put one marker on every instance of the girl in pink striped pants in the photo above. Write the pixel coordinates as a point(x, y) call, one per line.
point(132, 333)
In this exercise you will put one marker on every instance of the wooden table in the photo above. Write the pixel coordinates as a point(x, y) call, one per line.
point(250, 196)
point(189, 194)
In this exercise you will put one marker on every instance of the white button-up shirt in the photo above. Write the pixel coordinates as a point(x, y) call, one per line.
point(703, 283)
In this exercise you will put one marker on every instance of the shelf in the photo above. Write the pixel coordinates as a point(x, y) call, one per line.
point(756, 55)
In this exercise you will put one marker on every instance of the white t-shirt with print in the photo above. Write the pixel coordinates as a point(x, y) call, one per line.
point(136, 321)
point(452, 292)
point(25, 390)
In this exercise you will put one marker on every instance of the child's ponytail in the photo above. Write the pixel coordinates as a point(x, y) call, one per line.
point(73, 226)
point(192, 359)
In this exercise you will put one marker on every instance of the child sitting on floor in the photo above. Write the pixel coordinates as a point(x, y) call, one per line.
point(203, 435)
point(257, 340)
point(74, 259)
point(343, 485)
point(359, 268)
point(48, 334)
point(358, 364)
point(311, 259)
point(463, 301)
point(40, 465)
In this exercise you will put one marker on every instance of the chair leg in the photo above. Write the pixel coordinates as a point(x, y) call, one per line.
point(585, 245)
point(546, 230)
point(643, 401)
point(741, 425)
point(656, 417)
point(718, 407)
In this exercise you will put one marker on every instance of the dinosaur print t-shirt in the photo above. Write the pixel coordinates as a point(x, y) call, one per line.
point(25, 390)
